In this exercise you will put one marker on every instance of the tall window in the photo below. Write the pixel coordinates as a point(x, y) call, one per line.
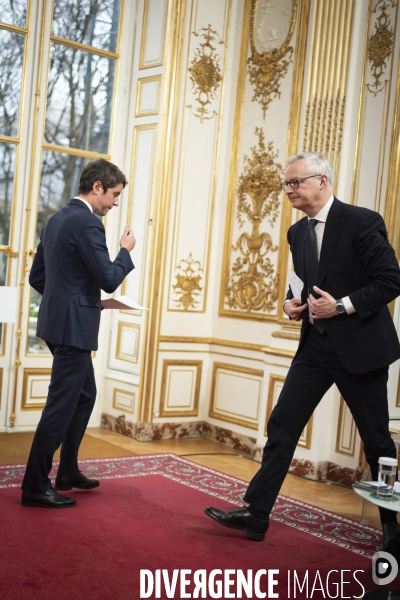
point(79, 96)
point(13, 33)
point(79, 106)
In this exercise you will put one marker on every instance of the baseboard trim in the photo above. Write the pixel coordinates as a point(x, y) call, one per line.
point(324, 471)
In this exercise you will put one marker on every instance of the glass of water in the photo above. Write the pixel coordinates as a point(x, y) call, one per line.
point(386, 477)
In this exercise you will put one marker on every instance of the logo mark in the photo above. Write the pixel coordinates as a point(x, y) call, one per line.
point(384, 568)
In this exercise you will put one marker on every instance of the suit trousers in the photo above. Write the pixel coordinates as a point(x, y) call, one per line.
point(313, 371)
point(70, 401)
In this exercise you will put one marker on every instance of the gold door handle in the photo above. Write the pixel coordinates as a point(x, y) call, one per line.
point(10, 252)
point(28, 254)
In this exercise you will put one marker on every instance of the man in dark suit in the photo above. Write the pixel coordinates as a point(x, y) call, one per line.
point(350, 274)
point(71, 266)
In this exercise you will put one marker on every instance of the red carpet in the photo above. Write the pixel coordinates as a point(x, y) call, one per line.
point(148, 514)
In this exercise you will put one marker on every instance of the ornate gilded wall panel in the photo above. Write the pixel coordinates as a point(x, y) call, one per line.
point(392, 202)
point(374, 151)
point(251, 272)
point(196, 152)
point(271, 29)
point(328, 79)
point(205, 73)
point(188, 287)
point(253, 284)
point(380, 45)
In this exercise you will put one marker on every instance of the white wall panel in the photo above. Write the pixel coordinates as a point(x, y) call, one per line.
point(153, 33)
point(236, 394)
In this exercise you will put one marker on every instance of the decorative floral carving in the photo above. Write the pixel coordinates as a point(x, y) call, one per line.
point(265, 72)
point(380, 47)
point(205, 73)
point(266, 69)
point(187, 288)
point(253, 284)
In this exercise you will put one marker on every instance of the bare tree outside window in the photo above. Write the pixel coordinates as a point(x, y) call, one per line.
point(79, 97)
point(13, 12)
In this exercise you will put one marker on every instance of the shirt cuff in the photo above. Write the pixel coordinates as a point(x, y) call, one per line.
point(284, 304)
point(348, 305)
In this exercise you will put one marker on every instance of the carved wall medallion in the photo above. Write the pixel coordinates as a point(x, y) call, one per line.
point(380, 47)
point(253, 284)
point(272, 24)
point(187, 289)
point(205, 73)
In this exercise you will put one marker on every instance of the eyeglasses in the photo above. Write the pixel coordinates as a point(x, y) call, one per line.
point(294, 183)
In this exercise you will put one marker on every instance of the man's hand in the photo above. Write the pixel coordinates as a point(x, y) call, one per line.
point(324, 307)
point(128, 239)
point(294, 308)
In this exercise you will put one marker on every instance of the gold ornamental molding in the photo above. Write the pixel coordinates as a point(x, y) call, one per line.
point(242, 374)
point(227, 344)
point(380, 45)
point(187, 289)
point(253, 283)
point(327, 83)
point(117, 405)
point(346, 435)
point(276, 383)
point(191, 408)
point(205, 73)
point(287, 333)
point(31, 400)
point(270, 50)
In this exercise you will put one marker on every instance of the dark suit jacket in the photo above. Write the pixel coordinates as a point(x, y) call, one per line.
point(357, 261)
point(71, 266)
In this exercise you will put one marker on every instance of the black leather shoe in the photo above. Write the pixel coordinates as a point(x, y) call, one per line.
point(80, 481)
point(47, 499)
point(389, 529)
point(240, 518)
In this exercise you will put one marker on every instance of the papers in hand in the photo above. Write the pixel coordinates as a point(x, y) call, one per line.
point(296, 284)
point(121, 303)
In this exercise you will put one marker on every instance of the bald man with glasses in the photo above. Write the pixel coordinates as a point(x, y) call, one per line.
point(350, 274)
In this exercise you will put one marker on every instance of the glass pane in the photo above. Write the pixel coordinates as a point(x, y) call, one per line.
point(91, 22)
point(7, 170)
point(3, 279)
point(11, 61)
point(35, 345)
point(13, 12)
point(59, 183)
point(79, 101)
point(3, 268)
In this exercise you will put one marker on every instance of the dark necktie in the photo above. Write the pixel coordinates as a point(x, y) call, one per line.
point(311, 260)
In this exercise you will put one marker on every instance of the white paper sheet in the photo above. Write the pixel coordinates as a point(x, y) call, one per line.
point(8, 304)
point(121, 303)
point(296, 284)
